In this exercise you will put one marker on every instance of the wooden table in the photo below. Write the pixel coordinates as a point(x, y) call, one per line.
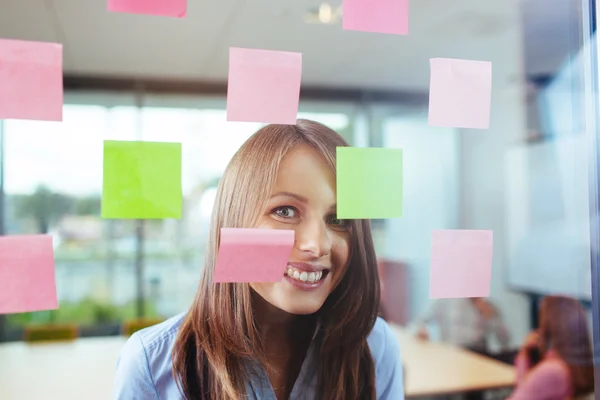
point(79, 370)
point(85, 369)
point(436, 368)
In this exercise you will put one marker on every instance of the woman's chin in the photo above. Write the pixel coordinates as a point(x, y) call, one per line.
point(301, 309)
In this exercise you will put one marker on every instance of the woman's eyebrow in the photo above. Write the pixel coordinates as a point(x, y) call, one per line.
point(294, 195)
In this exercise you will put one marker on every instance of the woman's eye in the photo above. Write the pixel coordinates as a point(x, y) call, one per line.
point(333, 220)
point(286, 212)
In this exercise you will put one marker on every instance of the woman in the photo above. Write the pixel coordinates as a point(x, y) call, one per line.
point(277, 340)
point(556, 361)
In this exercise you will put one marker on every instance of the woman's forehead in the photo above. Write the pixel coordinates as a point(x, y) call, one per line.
point(305, 171)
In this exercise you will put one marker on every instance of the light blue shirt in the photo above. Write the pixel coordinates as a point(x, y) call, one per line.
point(144, 369)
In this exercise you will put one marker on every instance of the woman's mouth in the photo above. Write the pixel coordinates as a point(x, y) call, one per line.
point(305, 280)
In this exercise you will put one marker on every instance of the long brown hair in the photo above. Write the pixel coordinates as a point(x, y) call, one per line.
point(564, 329)
point(219, 335)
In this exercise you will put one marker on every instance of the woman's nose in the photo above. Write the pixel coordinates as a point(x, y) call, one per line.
point(312, 236)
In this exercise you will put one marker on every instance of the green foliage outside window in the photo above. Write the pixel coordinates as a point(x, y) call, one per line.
point(84, 313)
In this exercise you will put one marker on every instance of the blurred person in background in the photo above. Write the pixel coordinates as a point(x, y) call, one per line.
point(467, 323)
point(556, 361)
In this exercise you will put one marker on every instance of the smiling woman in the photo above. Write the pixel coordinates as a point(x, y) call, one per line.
point(304, 200)
point(313, 335)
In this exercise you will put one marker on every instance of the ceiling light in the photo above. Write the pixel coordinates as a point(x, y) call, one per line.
point(325, 14)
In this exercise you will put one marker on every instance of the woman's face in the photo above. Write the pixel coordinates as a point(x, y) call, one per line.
point(304, 200)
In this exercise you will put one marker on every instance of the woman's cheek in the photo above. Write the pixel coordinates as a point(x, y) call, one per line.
point(340, 258)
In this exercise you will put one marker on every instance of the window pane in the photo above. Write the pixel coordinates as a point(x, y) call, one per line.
point(53, 184)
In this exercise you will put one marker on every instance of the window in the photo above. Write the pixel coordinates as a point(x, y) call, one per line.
point(109, 271)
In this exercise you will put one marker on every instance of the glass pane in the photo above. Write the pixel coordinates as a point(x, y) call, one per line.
point(526, 178)
point(46, 194)
point(174, 249)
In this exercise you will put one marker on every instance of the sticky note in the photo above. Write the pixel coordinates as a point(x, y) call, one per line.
point(379, 16)
point(263, 86)
point(461, 263)
point(31, 80)
point(369, 183)
point(165, 8)
point(460, 93)
point(142, 180)
point(27, 280)
point(253, 255)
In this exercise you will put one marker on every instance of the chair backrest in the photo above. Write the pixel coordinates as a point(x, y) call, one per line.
point(49, 333)
point(132, 326)
point(395, 291)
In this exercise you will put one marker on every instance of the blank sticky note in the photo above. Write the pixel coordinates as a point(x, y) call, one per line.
point(166, 8)
point(369, 183)
point(253, 255)
point(142, 180)
point(31, 80)
point(460, 93)
point(380, 16)
point(461, 263)
point(27, 280)
point(263, 86)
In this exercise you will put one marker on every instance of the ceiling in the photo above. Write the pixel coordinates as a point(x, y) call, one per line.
point(100, 43)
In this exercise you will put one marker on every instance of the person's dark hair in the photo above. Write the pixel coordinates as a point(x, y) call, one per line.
point(564, 328)
point(219, 334)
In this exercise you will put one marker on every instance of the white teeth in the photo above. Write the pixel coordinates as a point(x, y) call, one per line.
point(310, 277)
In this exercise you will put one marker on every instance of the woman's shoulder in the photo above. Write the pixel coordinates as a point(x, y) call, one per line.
point(382, 339)
point(553, 369)
point(144, 363)
point(154, 339)
point(385, 351)
point(549, 379)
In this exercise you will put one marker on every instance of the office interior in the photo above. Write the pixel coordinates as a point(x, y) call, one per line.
point(133, 77)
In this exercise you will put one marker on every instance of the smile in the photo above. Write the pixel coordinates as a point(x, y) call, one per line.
point(304, 276)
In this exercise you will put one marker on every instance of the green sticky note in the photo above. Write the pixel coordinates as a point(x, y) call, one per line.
point(142, 180)
point(369, 183)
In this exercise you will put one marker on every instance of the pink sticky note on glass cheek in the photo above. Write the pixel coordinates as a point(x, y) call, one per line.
point(27, 279)
point(253, 255)
point(165, 8)
point(461, 263)
point(380, 16)
point(460, 93)
point(263, 86)
point(31, 80)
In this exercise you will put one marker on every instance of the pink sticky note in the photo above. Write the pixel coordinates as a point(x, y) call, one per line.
point(380, 16)
point(27, 281)
point(165, 8)
point(253, 255)
point(461, 263)
point(264, 86)
point(460, 93)
point(31, 80)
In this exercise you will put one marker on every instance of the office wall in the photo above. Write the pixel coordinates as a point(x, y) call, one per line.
point(431, 190)
point(456, 179)
point(483, 182)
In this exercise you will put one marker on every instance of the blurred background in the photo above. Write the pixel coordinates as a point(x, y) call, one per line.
point(133, 77)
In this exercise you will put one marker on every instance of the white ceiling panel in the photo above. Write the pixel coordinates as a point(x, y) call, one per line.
point(112, 44)
point(27, 20)
point(109, 43)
